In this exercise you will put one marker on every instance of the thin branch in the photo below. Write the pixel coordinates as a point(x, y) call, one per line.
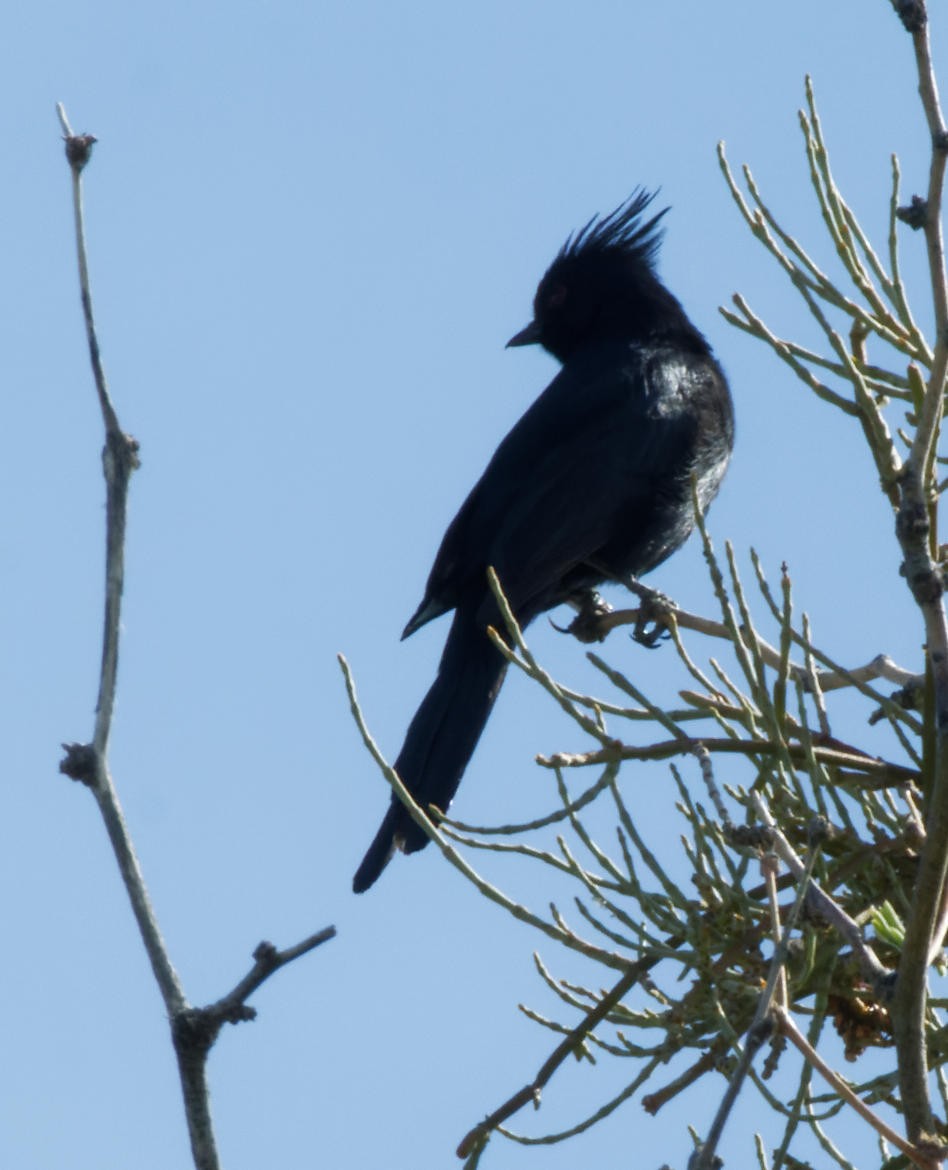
point(530, 1094)
point(231, 1008)
point(555, 931)
point(831, 679)
point(194, 1030)
point(120, 456)
point(923, 1158)
point(874, 972)
point(878, 771)
point(761, 1026)
point(89, 763)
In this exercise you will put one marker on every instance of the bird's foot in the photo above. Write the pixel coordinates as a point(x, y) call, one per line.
point(587, 626)
point(655, 612)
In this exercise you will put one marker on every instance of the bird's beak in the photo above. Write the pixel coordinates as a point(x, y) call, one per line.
point(528, 336)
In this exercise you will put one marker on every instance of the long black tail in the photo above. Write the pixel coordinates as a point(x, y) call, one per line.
point(440, 740)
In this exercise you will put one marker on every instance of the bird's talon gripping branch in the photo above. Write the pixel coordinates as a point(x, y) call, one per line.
point(655, 612)
point(587, 626)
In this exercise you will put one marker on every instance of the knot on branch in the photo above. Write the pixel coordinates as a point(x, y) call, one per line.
point(909, 698)
point(237, 1013)
point(912, 523)
point(912, 14)
point(194, 1031)
point(79, 149)
point(923, 578)
point(700, 1160)
point(120, 455)
point(266, 955)
point(883, 986)
point(914, 214)
point(818, 832)
point(931, 1146)
point(749, 836)
point(778, 1045)
point(81, 762)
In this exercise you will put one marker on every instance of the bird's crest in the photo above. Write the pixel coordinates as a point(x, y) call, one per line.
point(621, 231)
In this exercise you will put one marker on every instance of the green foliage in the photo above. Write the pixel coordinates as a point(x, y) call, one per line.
point(815, 887)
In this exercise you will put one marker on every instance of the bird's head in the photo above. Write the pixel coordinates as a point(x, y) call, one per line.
point(602, 286)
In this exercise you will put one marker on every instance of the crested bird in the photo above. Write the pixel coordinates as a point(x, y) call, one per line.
point(592, 485)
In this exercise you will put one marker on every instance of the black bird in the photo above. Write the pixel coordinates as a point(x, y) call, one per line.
point(593, 484)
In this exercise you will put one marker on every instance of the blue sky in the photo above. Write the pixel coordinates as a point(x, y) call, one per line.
point(312, 229)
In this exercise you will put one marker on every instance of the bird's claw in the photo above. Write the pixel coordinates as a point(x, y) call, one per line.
point(587, 626)
point(655, 615)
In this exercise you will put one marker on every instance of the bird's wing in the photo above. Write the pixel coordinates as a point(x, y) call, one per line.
point(563, 408)
point(589, 456)
point(609, 498)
